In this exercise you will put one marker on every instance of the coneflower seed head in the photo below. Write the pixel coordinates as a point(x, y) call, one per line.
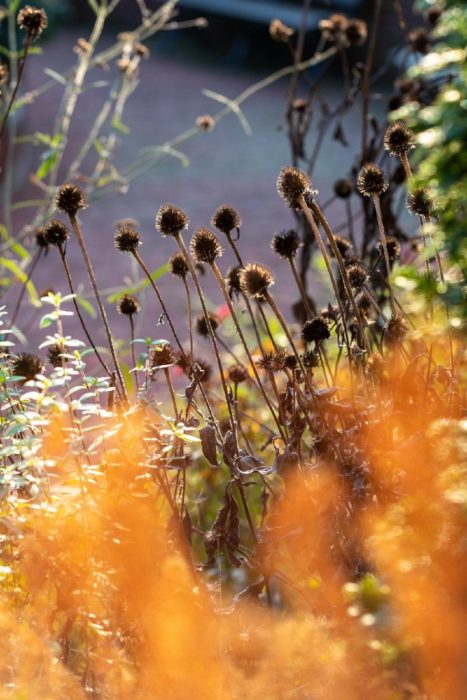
point(226, 219)
point(315, 330)
point(255, 280)
point(171, 220)
point(55, 233)
point(33, 20)
point(371, 180)
point(70, 199)
point(127, 239)
point(398, 139)
point(178, 265)
point(286, 243)
point(205, 246)
point(128, 305)
point(292, 183)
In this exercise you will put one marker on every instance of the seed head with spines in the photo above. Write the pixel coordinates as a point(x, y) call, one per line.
point(286, 243)
point(70, 199)
point(202, 327)
point(128, 305)
point(343, 245)
point(371, 180)
point(55, 354)
point(171, 220)
point(420, 202)
point(178, 265)
point(396, 329)
point(127, 239)
point(33, 20)
point(162, 356)
point(232, 280)
point(205, 246)
point(398, 139)
point(41, 239)
point(255, 280)
point(238, 374)
point(357, 276)
point(393, 247)
point(55, 233)
point(292, 184)
point(315, 330)
point(226, 219)
point(27, 366)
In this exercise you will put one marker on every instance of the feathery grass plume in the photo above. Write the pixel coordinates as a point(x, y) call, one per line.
point(420, 202)
point(343, 245)
point(393, 247)
point(286, 243)
point(55, 233)
point(343, 188)
point(178, 266)
point(128, 305)
point(205, 246)
point(358, 277)
point(55, 354)
point(70, 199)
point(292, 184)
point(226, 219)
point(162, 356)
point(255, 280)
point(398, 139)
point(238, 374)
point(127, 239)
point(396, 329)
point(316, 330)
point(171, 220)
point(33, 20)
point(205, 122)
point(280, 32)
point(371, 180)
point(27, 366)
point(202, 324)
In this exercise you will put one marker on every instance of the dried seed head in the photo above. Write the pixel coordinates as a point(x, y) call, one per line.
point(371, 180)
point(292, 183)
point(266, 362)
point(310, 359)
point(202, 325)
point(278, 31)
point(41, 238)
point(356, 32)
point(238, 374)
point(398, 139)
point(364, 304)
point(358, 277)
point(316, 330)
point(286, 243)
point(128, 305)
point(393, 247)
point(420, 202)
point(171, 220)
point(55, 354)
point(203, 370)
point(419, 40)
point(396, 329)
point(33, 20)
point(343, 188)
point(178, 266)
point(70, 199)
point(343, 245)
point(55, 233)
point(232, 280)
point(127, 239)
point(162, 356)
point(205, 122)
point(27, 366)
point(333, 28)
point(226, 219)
point(290, 361)
point(4, 74)
point(205, 246)
point(255, 280)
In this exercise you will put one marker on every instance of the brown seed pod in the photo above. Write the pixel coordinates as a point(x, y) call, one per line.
point(238, 374)
point(128, 305)
point(398, 139)
point(55, 233)
point(27, 366)
point(33, 20)
point(280, 32)
point(162, 356)
point(316, 330)
point(171, 220)
point(393, 247)
point(178, 266)
point(202, 327)
point(226, 219)
point(286, 244)
point(127, 239)
point(420, 202)
point(371, 180)
point(70, 199)
point(255, 280)
point(55, 354)
point(205, 246)
point(358, 277)
point(292, 183)
point(396, 329)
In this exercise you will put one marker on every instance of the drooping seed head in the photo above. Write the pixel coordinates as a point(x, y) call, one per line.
point(171, 220)
point(420, 202)
point(33, 20)
point(343, 188)
point(286, 243)
point(292, 183)
point(398, 139)
point(315, 330)
point(393, 247)
point(205, 246)
point(371, 180)
point(27, 366)
point(127, 239)
point(255, 280)
point(202, 327)
point(70, 199)
point(128, 305)
point(55, 233)
point(178, 266)
point(358, 277)
point(396, 329)
point(226, 219)
point(55, 354)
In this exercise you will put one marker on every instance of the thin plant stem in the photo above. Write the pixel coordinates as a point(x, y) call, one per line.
point(301, 288)
point(133, 354)
point(172, 392)
point(6, 114)
point(24, 287)
point(190, 314)
point(382, 237)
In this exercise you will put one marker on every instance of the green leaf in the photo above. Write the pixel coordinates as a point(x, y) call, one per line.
point(119, 125)
point(48, 162)
point(139, 286)
point(16, 247)
point(87, 306)
point(22, 277)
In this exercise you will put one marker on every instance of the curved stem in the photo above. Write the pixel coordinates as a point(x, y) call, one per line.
point(27, 44)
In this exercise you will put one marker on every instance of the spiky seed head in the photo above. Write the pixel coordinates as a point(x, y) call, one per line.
point(55, 354)
point(205, 246)
point(292, 183)
point(358, 277)
point(393, 247)
point(255, 280)
point(286, 243)
point(371, 180)
point(280, 32)
point(364, 304)
point(232, 280)
point(55, 233)
point(333, 28)
point(316, 330)
point(343, 246)
point(128, 305)
point(310, 359)
point(420, 202)
point(238, 374)
point(398, 139)
point(27, 366)
point(290, 361)
point(127, 239)
point(205, 122)
point(356, 32)
point(70, 199)
point(343, 188)
point(202, 327)
point(33, 20)
point(396, 329)
point(267, 362)
point(171, 220)
point(41, 238)
point(178, 265)
point(162, 356)
point(420, 40)
point(226, 219)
